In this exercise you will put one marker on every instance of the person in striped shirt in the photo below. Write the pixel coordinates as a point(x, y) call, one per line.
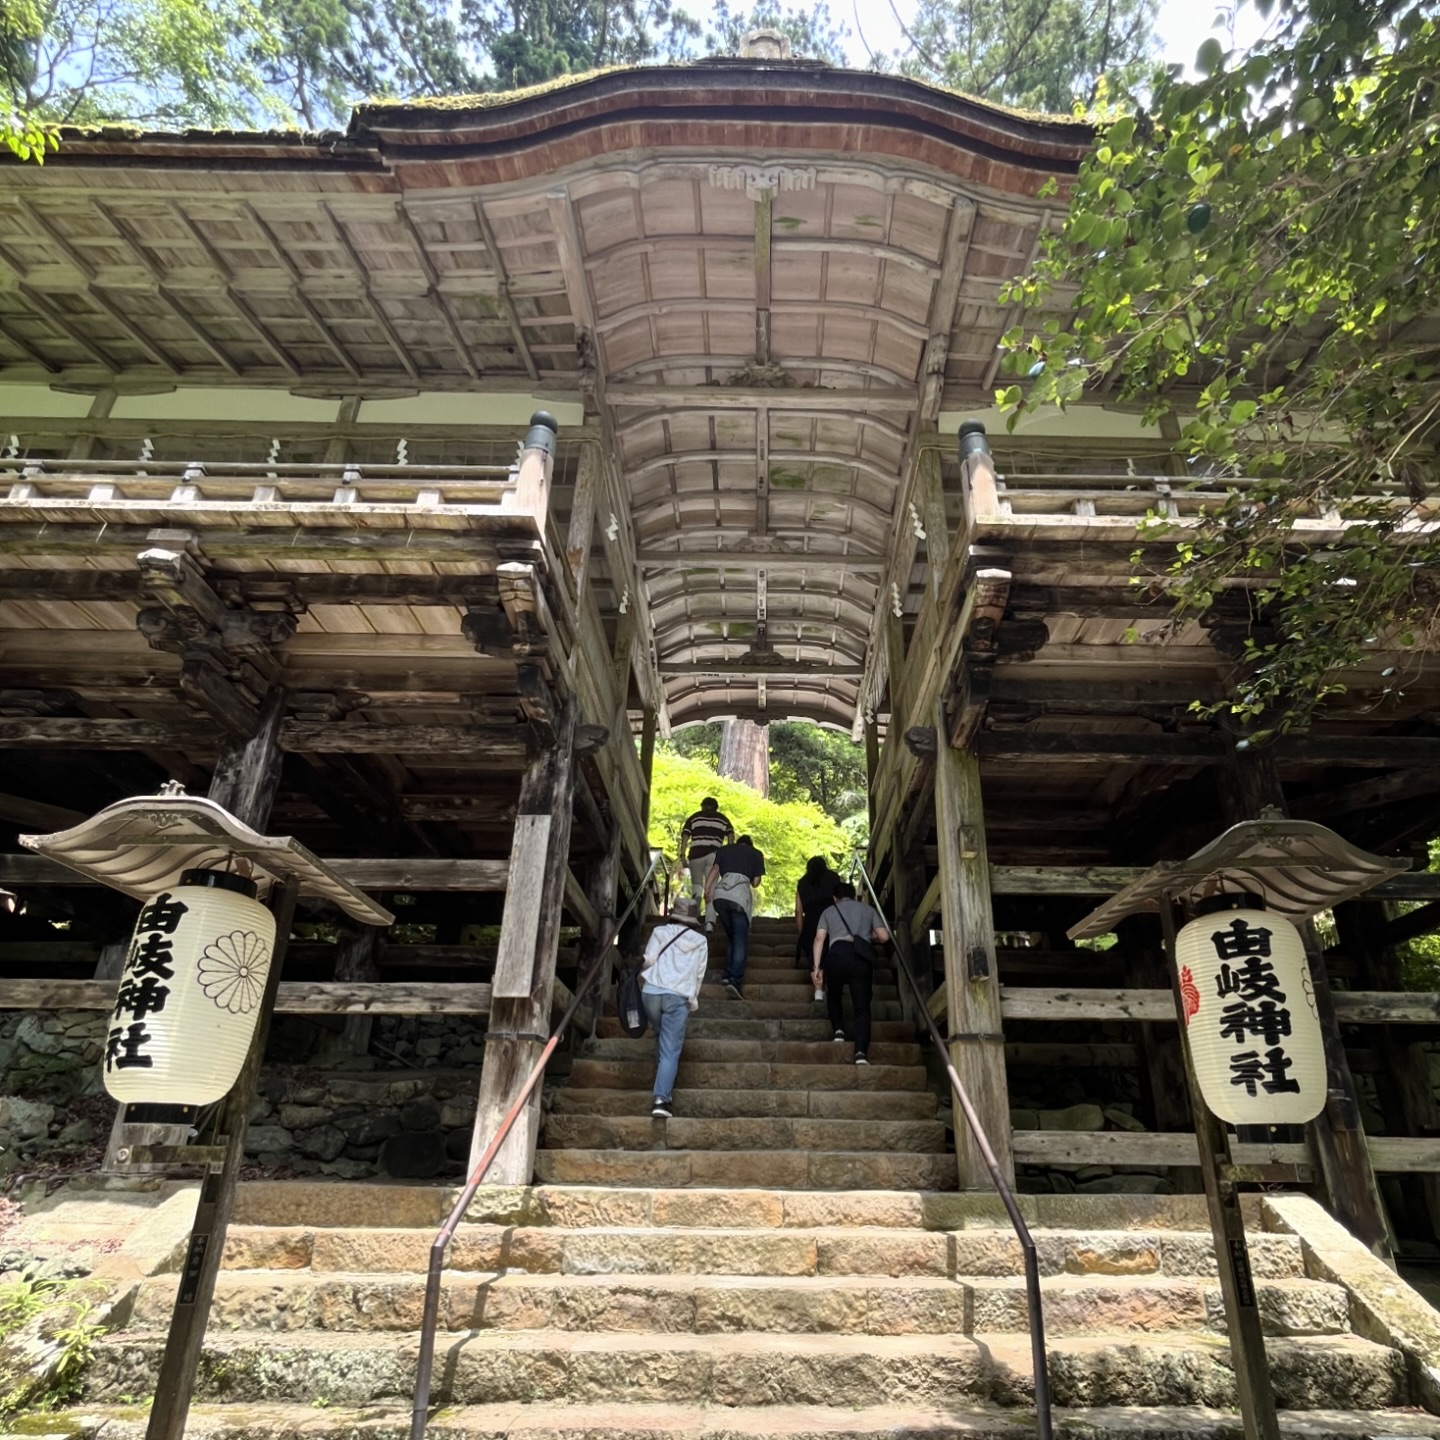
point(701, 836)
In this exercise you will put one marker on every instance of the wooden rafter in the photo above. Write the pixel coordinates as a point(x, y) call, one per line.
point(26, 348)
point(142, 256)
point(368, 296)
point(436, 294)
point(664, 400)
point(227, 280)
point(502, 286)
point(297, 289)
point(737, 362)
point(93, 292)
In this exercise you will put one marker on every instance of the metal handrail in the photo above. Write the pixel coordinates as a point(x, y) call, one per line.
point(1043, 1421)
point(426, 1364)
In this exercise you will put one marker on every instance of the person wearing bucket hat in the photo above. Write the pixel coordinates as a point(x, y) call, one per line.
point(675, 960)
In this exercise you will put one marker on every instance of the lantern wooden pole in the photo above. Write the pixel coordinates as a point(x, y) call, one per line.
point(1253, 1391)
point(1250, 783)
point(176, 1384)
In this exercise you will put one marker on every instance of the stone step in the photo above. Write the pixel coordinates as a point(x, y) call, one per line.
point(719, 1005)
point(637, 1074)
point(804, 1170)
point(710, 1104)
point(714, 1022)
point(1153, 1225)
point(578, 1367)
point(269, 1421)
point(626, 1132)
point(284, 1300)
point(726, 1233)
point(800, 991)
point(781, 1052)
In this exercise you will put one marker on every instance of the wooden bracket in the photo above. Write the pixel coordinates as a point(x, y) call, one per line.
point(226, 655)
point(538, 703)
point(920, 740)
point(591, 738)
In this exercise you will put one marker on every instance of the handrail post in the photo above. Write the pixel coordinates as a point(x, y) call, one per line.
point(1044, 1422)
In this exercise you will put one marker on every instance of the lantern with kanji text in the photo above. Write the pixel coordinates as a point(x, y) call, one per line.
point(1249, 1013)
point(191, 991)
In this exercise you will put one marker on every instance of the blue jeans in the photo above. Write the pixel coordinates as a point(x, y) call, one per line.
point(669, 1014)
point(737, 940)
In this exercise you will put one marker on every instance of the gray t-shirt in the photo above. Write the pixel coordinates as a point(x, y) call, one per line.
point(849, 917)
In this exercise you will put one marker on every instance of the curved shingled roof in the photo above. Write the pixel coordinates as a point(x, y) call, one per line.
point(766, 279)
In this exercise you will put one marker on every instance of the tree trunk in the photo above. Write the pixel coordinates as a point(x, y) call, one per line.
point(745, 754)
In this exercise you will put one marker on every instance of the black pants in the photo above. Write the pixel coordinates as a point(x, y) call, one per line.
point(844, 967)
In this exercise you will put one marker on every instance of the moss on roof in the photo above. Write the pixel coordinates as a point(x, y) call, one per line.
point(491, 99)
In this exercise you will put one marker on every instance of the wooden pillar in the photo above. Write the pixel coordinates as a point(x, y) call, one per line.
point(1250, 783)
point(247, 774)
point(581, 531)
point(357, 957)
point(872, 762)
point(535, 466)
point(1406, 1093)
point(930, 497)
point(647, 761)
point(601, 887)
point(976, 1039)
point(1162, 1054)
point(525, 963)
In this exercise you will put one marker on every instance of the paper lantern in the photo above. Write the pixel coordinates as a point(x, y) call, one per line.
point(1250, 1018)
point(190, 995)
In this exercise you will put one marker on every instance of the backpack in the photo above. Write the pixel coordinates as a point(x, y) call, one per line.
point(633, 1020)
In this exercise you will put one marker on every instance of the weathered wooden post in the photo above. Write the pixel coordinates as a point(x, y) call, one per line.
point(525, 962)
point(976, 1037)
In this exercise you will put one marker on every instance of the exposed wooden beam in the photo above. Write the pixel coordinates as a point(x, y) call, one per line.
point(297, 290)
point(1374, 751)
point(27, 349)
point(773, 561)
point(227, 283)
point(502, 287)
point(797, 669)
point(178, 311)
point(371, 300)
point(411, 873)
point(437, 295)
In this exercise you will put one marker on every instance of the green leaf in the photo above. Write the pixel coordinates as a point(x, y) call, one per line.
point(1210, 57)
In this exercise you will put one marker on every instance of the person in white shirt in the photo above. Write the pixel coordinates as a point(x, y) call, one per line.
point(675, 959)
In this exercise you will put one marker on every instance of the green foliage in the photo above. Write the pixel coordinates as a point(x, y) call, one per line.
point(822, 766)
point(696, 742)
point(813, 33)
point(787, 834)
point(47, 1331)
point(1252, 251)
point(159, 62)
point(1039, 54)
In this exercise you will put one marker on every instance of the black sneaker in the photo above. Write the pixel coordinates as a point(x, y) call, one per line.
point(662, 1109)
point(860, 1059)
point(733, 990)
point(840, 1037)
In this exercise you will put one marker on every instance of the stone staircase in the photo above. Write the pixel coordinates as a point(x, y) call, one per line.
point(627, 1313)
point(765, 1095)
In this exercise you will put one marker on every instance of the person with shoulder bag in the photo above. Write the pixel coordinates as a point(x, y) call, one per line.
point(675, 960)
point(853, 930)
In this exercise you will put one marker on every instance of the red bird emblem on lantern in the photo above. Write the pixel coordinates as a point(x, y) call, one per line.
point(1189, 993)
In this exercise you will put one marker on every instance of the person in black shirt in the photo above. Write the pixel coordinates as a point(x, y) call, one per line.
point(730, 887)
point(814, 892)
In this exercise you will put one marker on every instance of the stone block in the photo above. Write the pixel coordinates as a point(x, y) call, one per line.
point(323, 1143)
point(268, 1139)
point(418, 1156)
point(24, 1119)
point(903, 1253)
point(304, 1117)
point(737, 1209)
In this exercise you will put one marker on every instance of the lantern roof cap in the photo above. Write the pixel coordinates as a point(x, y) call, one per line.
point(1296, 866)
point(141, 846)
